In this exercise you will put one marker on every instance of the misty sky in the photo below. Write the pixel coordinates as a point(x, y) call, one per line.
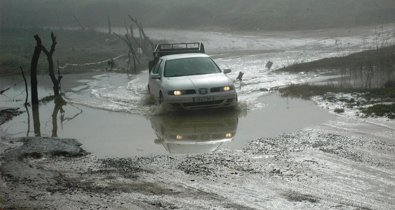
point(233, 14)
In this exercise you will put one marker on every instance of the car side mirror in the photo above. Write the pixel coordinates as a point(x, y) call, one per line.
point(155, 76)
point(150, 65)
point(227, 71)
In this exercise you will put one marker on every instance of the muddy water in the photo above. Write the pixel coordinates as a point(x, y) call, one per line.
point(112, 115)
point(124, 134)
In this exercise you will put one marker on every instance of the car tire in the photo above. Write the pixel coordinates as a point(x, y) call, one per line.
point(160, 100)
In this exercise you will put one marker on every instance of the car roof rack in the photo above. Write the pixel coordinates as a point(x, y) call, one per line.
point(178, 48)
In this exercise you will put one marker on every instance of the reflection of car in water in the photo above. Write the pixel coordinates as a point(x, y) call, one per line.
point(195, 132)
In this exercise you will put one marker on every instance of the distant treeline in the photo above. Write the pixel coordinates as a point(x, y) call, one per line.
point(227, 14)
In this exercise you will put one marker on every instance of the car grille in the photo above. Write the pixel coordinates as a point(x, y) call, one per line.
point(204, 103)
point(209, 103)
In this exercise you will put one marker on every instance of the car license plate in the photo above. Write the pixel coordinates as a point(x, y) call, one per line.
point(203, 99)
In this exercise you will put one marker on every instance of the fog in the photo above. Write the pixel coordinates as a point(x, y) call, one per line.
point(223, 14)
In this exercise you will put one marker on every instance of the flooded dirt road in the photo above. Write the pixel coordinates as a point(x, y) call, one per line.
point(118, 134)
point(270, 153)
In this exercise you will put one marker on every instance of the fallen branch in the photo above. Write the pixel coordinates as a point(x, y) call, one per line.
point(2, 91)
point(89, 64)
point(27, 92)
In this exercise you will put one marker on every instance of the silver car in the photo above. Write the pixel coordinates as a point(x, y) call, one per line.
point(191, 81)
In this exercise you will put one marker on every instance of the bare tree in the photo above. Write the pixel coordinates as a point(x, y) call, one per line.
point(51, 69)
point(143, 43)
point(130, 41)
point(146, 44)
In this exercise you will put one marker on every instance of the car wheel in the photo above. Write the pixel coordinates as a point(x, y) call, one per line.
point(160, 101)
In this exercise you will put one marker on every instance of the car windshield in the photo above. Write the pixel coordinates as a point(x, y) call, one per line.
point(190, 66)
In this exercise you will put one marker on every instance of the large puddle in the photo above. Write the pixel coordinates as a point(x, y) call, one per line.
point(112, 115)
point(123, 134)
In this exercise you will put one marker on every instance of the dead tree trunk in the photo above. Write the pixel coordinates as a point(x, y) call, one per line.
point(49, 54)
point(59, 103)
point(36, 120)
point(33, 69)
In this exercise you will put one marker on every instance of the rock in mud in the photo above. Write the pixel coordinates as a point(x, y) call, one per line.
point(16, 164)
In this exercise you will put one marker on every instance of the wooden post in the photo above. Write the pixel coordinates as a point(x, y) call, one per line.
point(109, 25)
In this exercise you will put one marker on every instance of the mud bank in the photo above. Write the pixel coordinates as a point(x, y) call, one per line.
point(7, 114)
point(313, 168)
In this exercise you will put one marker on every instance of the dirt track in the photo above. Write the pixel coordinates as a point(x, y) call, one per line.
point(315, 168)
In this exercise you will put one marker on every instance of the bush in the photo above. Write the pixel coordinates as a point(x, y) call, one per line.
point(380, 110)
point(390, 84)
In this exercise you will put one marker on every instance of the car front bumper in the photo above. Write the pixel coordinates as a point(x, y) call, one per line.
point(207, 101)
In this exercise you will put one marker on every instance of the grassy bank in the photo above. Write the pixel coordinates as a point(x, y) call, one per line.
point(367, 102)
point(382, 59)
point(367, 69)
point(73, 47)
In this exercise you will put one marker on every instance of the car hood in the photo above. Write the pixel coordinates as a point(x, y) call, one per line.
point(198, 81)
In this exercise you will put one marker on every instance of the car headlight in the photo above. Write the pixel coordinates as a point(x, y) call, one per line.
point(181, 92)
point(177, 92)
point(228, 88)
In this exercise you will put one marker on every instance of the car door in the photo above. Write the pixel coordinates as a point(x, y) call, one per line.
point(155, 79)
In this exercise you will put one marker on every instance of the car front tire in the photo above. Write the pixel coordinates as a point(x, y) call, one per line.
point(160, 100)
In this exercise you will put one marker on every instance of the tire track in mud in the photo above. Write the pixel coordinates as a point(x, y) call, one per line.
point(312, 168)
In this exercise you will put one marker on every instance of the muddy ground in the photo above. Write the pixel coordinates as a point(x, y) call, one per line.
point(345, 163)
point(321, 167)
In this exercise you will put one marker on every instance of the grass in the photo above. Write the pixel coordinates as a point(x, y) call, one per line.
point(368, 76)
point(376, 102)
point(306, 91)
point(383, 58)
point(368, 69)
point(381, 110)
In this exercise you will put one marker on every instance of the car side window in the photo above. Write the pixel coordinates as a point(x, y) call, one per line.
point(161, 67)
point(157, 67)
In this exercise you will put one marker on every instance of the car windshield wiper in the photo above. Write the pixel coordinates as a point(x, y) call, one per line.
point(199, 73)
point(177, 75)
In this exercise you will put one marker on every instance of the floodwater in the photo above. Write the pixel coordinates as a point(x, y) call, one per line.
point(112, 115)
point(120, 133)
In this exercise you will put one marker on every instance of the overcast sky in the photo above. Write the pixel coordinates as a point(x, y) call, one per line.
point(234, 14)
